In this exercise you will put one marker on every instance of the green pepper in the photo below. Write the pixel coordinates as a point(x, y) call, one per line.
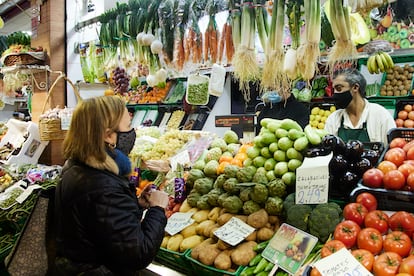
point(261, 266)
point(269, 266)
point(248, 271)
point(260, 246)
point(255, 260)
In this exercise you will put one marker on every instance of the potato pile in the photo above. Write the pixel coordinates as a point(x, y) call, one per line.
point(208, 249)
point(398, 81)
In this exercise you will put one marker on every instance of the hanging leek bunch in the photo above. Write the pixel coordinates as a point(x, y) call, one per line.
point(123, 33)
point(344, 49)
point(108, 38)
point(293, 12)
point(261, 22)
point(246, 68)
point(136, 25)
point(308, 52)
point(235, 21)
point(273, 77)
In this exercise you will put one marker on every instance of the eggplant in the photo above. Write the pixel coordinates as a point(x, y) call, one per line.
point(348, 182)
point(354, 150)
point(334, 143)
point(372, 155)
point(360, 166)
point(338, 165)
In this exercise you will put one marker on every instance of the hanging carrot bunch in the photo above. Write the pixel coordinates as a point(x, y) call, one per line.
point(211, 35)
point(181, 19)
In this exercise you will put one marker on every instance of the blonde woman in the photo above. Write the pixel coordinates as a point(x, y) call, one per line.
point(100, 224)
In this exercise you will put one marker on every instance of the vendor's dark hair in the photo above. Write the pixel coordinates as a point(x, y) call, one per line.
point(352, 76)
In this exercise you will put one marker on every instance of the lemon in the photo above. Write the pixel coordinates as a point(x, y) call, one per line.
point(315, 110)
point(321, 125)
point(318, 117)
point(314, 123)
point(323, 119)
point(311, 117)
point(321, 112)
point(327, 113)
point(332, 108)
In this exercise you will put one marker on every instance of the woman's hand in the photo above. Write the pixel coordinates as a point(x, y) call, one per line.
point(144, 199)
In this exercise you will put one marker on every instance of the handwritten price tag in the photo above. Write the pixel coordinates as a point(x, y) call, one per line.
point(312, 180)
point(234, 231)
point(178, 221)
point(341, 263)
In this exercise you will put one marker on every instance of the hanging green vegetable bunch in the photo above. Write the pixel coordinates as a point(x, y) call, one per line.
point(107, 36)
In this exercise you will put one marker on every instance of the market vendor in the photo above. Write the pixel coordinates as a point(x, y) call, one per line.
point(281, 106)
point(101, 229)
point(356, 118)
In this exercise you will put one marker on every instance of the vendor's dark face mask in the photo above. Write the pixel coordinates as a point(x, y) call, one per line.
point(125, 140)
point(343, 99)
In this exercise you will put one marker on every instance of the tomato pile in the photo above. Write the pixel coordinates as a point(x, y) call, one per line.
point(405, 117)
point(396, 170)
point(380, 241)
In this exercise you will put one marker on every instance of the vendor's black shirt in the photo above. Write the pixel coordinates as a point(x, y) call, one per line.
point(290, 108)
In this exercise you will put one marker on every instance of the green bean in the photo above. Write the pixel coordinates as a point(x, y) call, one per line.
point(197, 93)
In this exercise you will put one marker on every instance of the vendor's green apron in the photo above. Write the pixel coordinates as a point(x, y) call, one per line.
point(360, 134)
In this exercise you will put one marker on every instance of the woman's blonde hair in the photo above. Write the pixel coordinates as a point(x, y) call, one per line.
point(90, 121)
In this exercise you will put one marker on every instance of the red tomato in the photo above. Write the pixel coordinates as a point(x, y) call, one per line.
point(355, 211)
point(377, 219)
point(331, 247)
point(373, 178)
point(370, 239)
point(402, 114)
point(386, 166)
point(368, 200)
point(408, 145)
point(347, 232)
point(395, 155)
point(407, 265)
point(410, 181)
point(393, 180)
point(398, 242)
point(387, 264)
point(399, 122)
point(365, 257)
point(406, 169)
point(410, 153)
point(402, 221)
point(398, 143)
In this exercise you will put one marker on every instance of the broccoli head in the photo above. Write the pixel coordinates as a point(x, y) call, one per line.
point(250, 207)
point(277, 188)
point(274, 205)
point(259, 193)
point(233, 204)
point(298, 216)
point(323, 220)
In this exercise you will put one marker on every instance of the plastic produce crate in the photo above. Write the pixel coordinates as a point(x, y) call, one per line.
point(200, 269)
point(387, 102)
point(389, 200)
point(406, 133)
point(174, 260)
point(409, 86)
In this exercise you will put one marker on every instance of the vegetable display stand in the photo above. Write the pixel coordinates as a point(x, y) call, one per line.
point(174, 260)
point(200, 269)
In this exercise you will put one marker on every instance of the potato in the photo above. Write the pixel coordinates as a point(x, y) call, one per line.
point(200, 215)
point(222, 245)
point(274, 220)
point(212, 230)
point(165, 241)
point(189, 230)
point(190, 242)
point(242, 217)
point(222, 219)
point(208, 254)
point(214, 213)
point(174, 242)
point(223, 260)
point(252, 236)
point(209, 228)
point(185, 207)
point(258, 219)
point(264, 234)
point(203, 225)
point(199, 248)
point(243, 253)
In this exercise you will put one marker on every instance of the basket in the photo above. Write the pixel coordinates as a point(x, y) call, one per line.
point(406, 133)
point(30, 58)
point(50, 128)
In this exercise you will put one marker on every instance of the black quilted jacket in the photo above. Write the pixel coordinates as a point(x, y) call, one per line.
point(99, 222)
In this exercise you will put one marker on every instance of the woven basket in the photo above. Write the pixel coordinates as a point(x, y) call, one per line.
point(35, 58)
point(50, 128)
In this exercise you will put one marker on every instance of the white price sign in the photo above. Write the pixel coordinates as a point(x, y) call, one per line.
point(234, 231)
point(178, 221)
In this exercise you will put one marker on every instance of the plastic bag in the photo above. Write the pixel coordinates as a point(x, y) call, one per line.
point(197, 90)
point(217, 79)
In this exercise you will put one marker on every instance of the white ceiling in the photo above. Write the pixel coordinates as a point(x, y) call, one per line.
point(20, 22)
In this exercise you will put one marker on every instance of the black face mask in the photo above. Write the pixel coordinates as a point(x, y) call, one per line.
point(125, 140)
point(342, 99)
